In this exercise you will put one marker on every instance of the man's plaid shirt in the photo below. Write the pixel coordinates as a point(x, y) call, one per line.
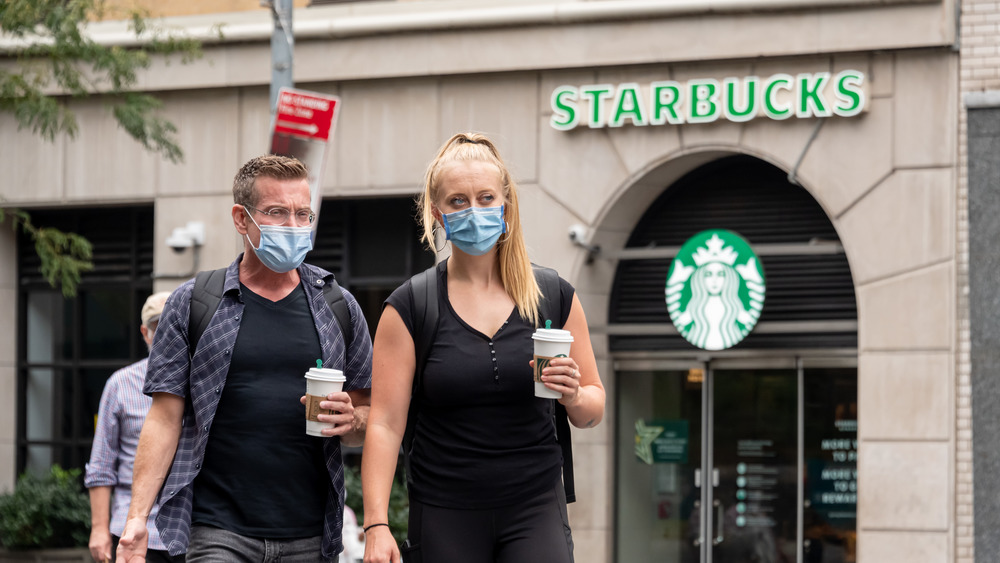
point(201, 378)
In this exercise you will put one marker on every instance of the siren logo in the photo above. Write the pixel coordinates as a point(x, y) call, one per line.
point(715, 289)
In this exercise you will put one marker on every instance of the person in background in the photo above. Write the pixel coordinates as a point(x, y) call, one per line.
point(354, 538)
point(224, 452)
point(484, 466)
point(116, 436)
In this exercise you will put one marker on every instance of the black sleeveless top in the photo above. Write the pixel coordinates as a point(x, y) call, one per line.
point(482, 439)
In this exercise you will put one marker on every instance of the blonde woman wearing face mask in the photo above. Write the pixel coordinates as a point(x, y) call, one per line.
point(484, 465)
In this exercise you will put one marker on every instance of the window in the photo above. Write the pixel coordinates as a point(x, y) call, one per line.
point(69, 347)
point(372, 246)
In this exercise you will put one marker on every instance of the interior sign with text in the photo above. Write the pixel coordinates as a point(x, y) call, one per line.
point(705, 100)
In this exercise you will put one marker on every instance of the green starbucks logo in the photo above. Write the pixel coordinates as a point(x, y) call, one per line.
point(715, 289)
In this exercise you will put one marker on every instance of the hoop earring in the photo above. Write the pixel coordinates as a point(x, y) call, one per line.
point(444, 241)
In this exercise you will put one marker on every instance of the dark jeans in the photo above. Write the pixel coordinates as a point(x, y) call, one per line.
point(152, 555)
point(536, 529)
point(215, 545)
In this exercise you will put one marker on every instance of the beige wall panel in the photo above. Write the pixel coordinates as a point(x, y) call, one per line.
point(8, 465)
point(926, 108)
point(254, 128)
point(910, 312)
point(362, 58)
point(103, 163)
point(591, 546)
point(208, 134)
point(925, 547)
point(905, 396)
point(637, 146)
point(882, 77)
point(8, 312)
point(590, 469)
point(905, 223)
point(32, 167)
point(8, 255)
point(400, 120)
point(505, 108)
point(595, 306)
point(904, 486)
point(849, 156)
point(8, 390)
point(8, 427)
point(546, 223)
point(718, 133)
point(237, 64)
point(8, 357)
point(222, 244)
point(579, 168)
point(679, 38)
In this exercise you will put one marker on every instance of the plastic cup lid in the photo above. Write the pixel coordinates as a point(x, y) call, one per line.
point(326, 374)
point(552, 335)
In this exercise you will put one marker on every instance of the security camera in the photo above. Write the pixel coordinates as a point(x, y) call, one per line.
point(192, 234)
point(578, 233)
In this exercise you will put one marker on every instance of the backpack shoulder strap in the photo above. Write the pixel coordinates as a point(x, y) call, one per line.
point(424, 301)
point(424, 297)
point(338, 304)
point(550, 308)
point(205, 299)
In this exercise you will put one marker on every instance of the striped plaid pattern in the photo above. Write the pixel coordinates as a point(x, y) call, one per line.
point(170, 366)
point(122, 410)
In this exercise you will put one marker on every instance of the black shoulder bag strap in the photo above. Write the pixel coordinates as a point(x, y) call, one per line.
point(550, 308)
point(207, 294)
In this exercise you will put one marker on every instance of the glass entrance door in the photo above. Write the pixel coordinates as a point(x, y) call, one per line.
point(720, 462)
point(754, 460)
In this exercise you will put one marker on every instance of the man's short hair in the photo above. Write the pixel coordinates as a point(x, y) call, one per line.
point(267, 166)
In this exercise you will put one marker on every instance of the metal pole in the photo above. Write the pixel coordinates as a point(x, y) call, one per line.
point(282, 48)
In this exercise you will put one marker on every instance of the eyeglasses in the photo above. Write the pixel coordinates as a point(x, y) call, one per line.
point(280, 215)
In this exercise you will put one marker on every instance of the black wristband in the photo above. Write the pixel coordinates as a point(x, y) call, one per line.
point(370, 526)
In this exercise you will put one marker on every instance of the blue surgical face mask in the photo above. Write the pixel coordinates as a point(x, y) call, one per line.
point(475, 230)
point(282, 249)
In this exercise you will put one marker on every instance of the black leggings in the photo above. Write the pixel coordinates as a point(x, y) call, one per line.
point(536, 529)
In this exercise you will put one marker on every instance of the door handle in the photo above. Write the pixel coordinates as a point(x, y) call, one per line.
point(697, 541)
point(697, 478)
point(721, 514)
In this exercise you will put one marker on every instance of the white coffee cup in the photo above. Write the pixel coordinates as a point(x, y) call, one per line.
point(320, 382)
point(549, 343)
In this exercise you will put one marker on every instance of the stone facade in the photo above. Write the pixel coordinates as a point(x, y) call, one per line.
point(890, 180)
point(979, 73)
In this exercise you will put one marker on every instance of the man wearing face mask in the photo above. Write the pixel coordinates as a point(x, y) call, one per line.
point(246, 483)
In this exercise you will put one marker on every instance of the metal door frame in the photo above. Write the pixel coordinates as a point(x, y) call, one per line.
point(729, 361)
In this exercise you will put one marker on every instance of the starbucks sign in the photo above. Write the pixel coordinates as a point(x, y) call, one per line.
point(715, 289)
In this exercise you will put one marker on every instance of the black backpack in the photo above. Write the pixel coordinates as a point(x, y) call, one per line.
point(207, 294)
point(424, 297)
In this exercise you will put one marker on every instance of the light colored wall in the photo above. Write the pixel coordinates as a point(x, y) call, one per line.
point(889, 187)
point(894, 166)
point(979, 72)
point(186, 7)
point(8, 357)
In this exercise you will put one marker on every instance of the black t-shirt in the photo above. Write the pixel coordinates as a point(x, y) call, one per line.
point(263, 476)
point(482, 439)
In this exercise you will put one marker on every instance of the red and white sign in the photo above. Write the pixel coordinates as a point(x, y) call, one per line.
point(305, 114)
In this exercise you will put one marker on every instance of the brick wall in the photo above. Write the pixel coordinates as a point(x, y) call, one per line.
point(979, 72)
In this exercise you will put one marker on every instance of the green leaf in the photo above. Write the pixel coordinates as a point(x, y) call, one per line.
point(57, 53)
point(48, 511)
